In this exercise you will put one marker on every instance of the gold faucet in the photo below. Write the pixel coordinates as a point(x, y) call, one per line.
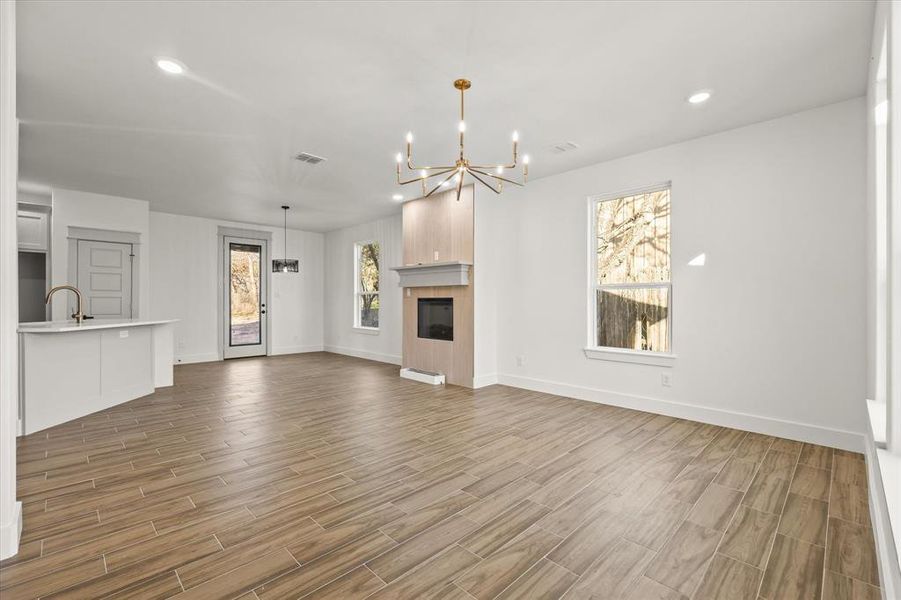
point(77, 315)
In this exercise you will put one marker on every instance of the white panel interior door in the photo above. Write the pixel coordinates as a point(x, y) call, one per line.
point(104, 278)
point(245, 282)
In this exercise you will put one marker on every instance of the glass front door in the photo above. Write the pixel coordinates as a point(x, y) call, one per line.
point(245, 298)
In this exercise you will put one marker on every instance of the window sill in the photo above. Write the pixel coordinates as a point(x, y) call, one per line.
point(367, 330)
point(657, 359)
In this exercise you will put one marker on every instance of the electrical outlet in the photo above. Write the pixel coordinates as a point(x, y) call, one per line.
point(666, 380)
point(181, 344)
point(408, 292)
point(520, 361)
point(436, 256)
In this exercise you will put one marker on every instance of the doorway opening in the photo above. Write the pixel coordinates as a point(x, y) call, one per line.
point(245, 297)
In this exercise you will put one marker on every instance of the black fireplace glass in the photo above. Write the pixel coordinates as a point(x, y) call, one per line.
point(436, 318)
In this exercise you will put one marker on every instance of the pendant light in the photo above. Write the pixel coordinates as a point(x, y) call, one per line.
point(285, 265)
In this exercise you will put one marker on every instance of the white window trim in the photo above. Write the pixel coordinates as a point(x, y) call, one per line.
point(358, 293)
point(893, 206)
point(366, 330)
point(625, 355)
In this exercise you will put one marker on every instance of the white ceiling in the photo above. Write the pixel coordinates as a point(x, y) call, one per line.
point(347, 80)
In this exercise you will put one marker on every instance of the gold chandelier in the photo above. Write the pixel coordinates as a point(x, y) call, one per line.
point(491, 176)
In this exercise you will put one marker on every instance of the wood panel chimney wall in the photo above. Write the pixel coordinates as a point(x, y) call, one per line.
point(440, 229)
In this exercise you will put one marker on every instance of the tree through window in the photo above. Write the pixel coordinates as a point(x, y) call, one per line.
point(632, 281)
point(366, 298)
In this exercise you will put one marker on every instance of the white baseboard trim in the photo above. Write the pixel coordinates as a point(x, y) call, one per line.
point(376, 356)
point(814, 434)
point(297, 349)
point(886, 551)
point(10, 534)
point(480, 381)
point(186, 359)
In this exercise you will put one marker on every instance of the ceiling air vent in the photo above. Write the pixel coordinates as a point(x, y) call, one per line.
point(564, 147)
point(309, 158)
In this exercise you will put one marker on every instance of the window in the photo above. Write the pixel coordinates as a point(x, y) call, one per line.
point(366, 292)
point(631, 287)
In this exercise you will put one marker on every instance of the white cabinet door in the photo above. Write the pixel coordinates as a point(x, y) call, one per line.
point(32, 230)
point(104, 278)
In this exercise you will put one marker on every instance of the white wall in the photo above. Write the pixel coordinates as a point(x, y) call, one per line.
point(10, 510)
point(489, 221)
point(770, 334)
point(340, 334)
point(184, 283)
point(98, 211)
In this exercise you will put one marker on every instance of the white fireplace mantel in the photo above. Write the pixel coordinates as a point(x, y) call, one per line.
point(437, 274)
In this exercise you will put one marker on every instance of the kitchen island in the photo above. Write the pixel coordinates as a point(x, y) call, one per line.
point(68, 370)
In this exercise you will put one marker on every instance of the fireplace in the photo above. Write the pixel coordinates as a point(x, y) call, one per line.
point(436, 318)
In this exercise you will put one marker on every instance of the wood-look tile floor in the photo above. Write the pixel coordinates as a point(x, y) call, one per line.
point(323, 476)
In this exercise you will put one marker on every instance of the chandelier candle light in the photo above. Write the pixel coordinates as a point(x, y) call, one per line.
point(491, 176)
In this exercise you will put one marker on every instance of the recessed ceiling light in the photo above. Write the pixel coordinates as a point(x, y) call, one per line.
point(170, 65)
point(700, 97)
point(397, 197)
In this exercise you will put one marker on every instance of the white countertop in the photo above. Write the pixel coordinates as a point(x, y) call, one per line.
point(67, 326)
